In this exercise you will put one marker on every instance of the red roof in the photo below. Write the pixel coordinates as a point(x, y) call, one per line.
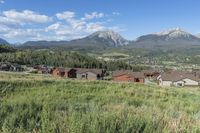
point(128, 72)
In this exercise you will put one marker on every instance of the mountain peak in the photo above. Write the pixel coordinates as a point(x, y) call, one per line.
point(175, 33)
point(110, 36)
point(172, 31)
point(175, 37)
point(106, 34)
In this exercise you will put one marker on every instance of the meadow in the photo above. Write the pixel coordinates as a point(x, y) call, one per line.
point(42, 104)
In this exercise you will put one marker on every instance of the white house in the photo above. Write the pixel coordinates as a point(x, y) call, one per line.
point(178, 79)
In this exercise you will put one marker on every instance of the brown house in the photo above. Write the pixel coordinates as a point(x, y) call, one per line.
point(64, 72)
point(89, 74)
point(128, 76)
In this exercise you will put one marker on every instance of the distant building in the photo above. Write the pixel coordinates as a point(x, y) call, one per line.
point(90, 74)
point(4, 67)
point(64, 72)
point(176, 78)
point(11, 67)
point(16, 68)
point(43, 69)
point(128, 76)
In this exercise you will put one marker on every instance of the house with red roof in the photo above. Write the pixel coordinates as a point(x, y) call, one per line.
point(128, 76)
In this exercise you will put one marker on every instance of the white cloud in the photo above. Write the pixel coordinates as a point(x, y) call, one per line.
point(69, 17)
point(4, 29)
point(93, 27)
point(2, 1)
point(20, 33)
point(65, 15)
point(29, 25)
point(93, 15)
point(8, 21)
point(55, 26)
point(25, 16)
point(116, 13)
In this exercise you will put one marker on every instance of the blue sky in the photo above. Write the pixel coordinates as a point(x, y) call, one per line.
point(23, 20)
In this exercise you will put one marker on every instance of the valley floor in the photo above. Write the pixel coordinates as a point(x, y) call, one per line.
point(41, 103)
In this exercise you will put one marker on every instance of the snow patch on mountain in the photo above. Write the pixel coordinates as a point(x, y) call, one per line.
point(110, 36)
point(174, 34)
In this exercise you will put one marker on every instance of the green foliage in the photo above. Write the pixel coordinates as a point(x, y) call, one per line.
point(33, 103)
point(60, 58)
point(6, 49)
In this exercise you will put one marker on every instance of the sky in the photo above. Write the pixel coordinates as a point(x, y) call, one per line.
point(29, 20)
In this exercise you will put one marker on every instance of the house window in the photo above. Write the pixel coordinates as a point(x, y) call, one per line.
point(98, 77)
point(83, 76)
point(180, 84)
point(62, 74)
point(137, 80)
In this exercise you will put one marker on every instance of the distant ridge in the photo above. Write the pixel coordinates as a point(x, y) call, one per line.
point(100, 40)
point(173, 37)
point(97, 40)
point(2, 41)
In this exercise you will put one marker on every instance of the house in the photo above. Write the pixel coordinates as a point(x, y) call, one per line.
point(151, 73)
point(64, 72)
point(58, 72)
point(16, 68)
point(4, 67)
point(128, 76)
point(90, 74)
point(178, 79)
point(43, 69)
point(46, 70)
point(11, 67)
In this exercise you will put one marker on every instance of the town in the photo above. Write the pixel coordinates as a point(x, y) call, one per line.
point(168, 78)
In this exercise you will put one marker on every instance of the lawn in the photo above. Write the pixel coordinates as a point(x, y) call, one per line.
point(38, 103)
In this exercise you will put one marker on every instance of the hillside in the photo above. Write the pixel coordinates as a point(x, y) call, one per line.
point(6, 49)
point(171, 38)
point(2, 41)
point(60, 59)
point(102, 40)
point(35, 103)
point(96, 41)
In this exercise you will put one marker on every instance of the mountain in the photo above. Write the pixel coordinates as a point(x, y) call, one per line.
point(42, 44)
point(2, 41)
point(198, 35)
point(4, 48)
point(172, 37)
point(176, 34)
point(98, 40)
point(110, 38)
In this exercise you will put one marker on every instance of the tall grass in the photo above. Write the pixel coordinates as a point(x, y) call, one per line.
point(49, 105)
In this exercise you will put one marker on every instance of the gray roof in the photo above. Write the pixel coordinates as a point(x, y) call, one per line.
point(178, 75)
point(83, 70)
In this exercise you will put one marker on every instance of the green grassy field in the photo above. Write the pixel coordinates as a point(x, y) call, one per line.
point(37, 103)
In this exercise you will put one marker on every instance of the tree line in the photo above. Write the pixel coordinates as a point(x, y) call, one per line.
point(6, 48)
point(60, 59)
